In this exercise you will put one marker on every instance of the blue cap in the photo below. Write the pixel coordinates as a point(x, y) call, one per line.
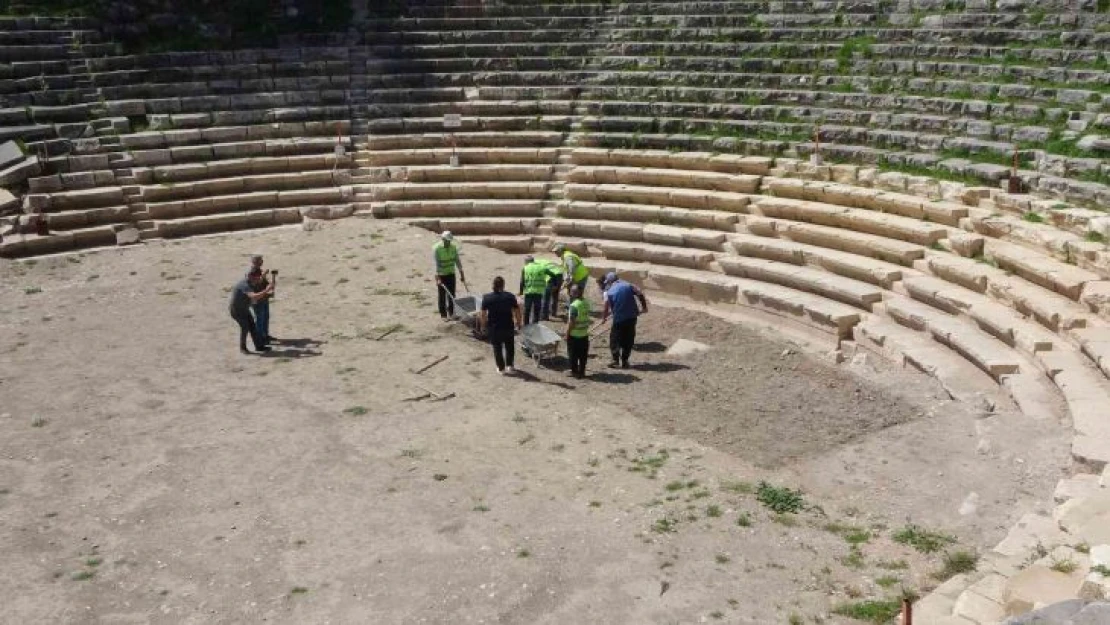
point(610, 277)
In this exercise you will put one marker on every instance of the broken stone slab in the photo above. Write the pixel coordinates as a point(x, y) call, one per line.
point(1087, 519)
point(7, 200)
point(10, 152)
point(127, 236)
point(20, 171)
point(686, 347)
point(1050, 615)
point(1038, 585)
point(1079, 486)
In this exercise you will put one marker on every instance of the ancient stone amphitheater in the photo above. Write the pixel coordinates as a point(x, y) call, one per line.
point(924, 177)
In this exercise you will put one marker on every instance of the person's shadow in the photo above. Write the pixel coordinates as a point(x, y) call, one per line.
point(294, 348)
point(651, 347)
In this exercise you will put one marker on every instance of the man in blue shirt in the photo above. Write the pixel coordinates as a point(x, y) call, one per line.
point(620, 300)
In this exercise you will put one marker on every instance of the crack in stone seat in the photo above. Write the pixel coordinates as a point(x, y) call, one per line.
point(463, 173)
point(457, 190)
point(672, 216)
point(658, 177)
point(467, 156)
point(465, 139)
point(658, 196)
point(458, 208)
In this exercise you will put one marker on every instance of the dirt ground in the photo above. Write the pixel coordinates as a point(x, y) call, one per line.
point(149, 473)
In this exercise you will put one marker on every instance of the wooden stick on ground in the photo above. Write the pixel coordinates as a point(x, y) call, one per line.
point(429, 366)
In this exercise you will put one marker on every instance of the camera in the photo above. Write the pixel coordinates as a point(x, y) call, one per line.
point(274, 271)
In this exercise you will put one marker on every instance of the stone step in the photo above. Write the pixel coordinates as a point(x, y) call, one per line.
point(982, 350)
point(846, 290)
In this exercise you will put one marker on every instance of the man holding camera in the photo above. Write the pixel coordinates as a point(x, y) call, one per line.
point(261, 307)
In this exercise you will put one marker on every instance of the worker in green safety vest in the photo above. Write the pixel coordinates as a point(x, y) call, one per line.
point(446, 255)
point(578, 332)
point(534, 279)
point(575, 272)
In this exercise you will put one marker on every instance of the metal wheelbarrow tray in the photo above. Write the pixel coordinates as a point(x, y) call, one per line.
point(539, 341)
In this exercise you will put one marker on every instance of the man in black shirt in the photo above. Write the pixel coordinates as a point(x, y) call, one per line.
point(248, 291)
point(500, 317)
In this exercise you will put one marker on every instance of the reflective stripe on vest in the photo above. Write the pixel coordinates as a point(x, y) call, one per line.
point(535, 278)
point(446, 257)
point(581, 325)
point(581, 271)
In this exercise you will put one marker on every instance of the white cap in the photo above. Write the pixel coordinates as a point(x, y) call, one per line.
point(256, 256)
point(447, 236)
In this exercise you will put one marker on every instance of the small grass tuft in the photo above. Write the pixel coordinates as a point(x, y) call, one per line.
point(298, 590)
point(721, 558)
point(738, 487)
point(523, 553)
point(956, 562)
point(886, 581)
point(1095, 237)
point(664, 525)
point(780, 499)
point(38, 422)
point(892, 565)
point(355, 411)
point(81, 576)
point(744, 520)
point(1065, 566)
point(713, 511)
point(1033, 217)
point(31, 290)
point(872, 610)
point(922, 539)
point(481, 508)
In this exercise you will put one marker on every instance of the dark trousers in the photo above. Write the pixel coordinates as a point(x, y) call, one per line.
point(246, 326)
point(504, 348)
point(262, 318)
point(551, 297)
point(578, 350)
point(532, 306)
point(622, 336)
point(446, 304)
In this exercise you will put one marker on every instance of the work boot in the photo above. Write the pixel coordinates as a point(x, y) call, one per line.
point(616, 363)
point(624, 365)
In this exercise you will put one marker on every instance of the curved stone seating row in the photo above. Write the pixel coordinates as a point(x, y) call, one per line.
point(411, 125)
point(466, 155)
point(919, 52)
point(497, 172)
point(997, 36)
point(900, 71)
point(534, 138)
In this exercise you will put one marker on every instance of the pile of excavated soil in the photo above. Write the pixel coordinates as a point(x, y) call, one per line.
point(151, 473)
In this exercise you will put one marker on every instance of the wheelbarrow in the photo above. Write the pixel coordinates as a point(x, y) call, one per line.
point(539, 341)
point(466, 307)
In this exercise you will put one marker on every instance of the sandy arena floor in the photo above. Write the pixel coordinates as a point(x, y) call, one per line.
point(149, 473)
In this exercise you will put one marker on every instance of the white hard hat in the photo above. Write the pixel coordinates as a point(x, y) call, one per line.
point(447, 236)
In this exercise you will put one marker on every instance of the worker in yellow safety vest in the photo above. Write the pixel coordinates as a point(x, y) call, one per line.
point(575, 272)
point(446, 255)
point(533, 284)
point(578, 332)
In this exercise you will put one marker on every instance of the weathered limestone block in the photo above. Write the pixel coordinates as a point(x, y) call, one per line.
point(327, 212)
point(1038, 585)
point(1087, 519)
